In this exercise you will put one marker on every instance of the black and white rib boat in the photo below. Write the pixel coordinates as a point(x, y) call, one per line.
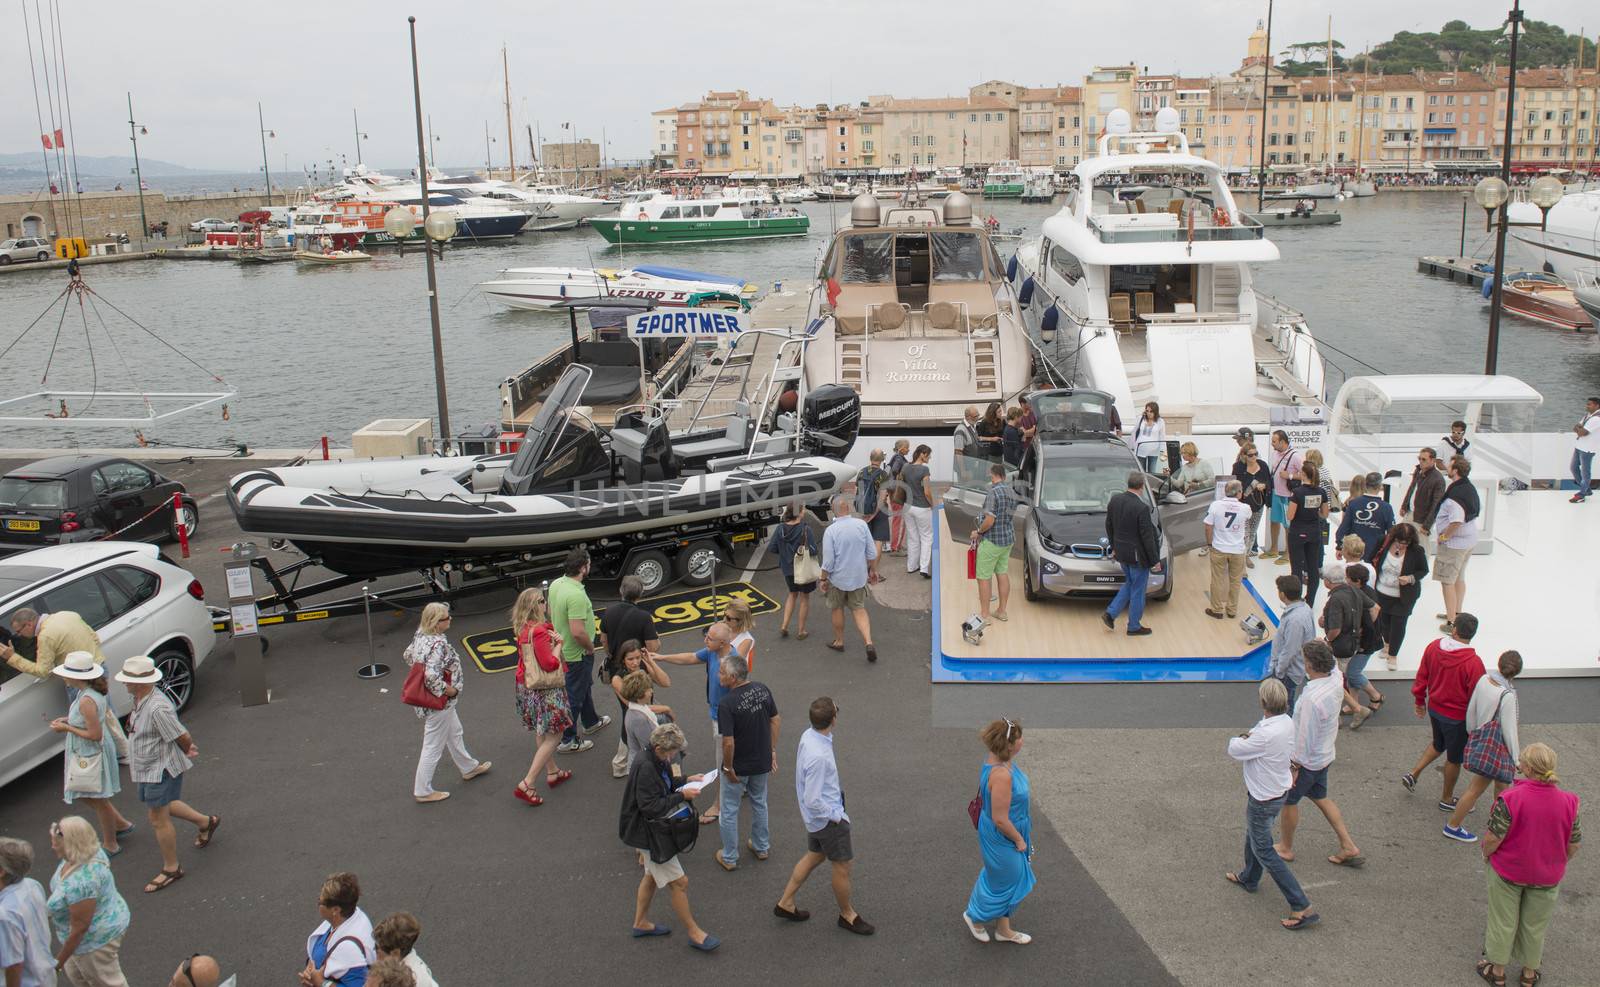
point(641, 490)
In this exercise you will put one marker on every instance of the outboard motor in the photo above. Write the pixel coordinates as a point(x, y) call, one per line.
point(829, 421)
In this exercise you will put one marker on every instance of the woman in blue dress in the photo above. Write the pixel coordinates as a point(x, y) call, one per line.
point(88, 735)
point(1004, 830)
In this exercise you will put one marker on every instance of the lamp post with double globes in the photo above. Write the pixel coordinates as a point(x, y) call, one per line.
point(1494, 195)
point(438, 226)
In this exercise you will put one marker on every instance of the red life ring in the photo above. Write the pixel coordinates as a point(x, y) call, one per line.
point(642, 216)
point(1219, 217)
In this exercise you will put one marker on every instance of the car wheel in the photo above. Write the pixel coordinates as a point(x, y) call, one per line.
point(652, 568)
point(189, 519)
point(1029, 592)
point(177, 675)
point(43, 256)
point(5, 258)
point(697, 564)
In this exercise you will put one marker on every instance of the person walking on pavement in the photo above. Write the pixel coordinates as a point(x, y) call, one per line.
point(1368, 643)
point(1421, 503)
point(1494, 698)
point(542, 707)
point(89, 915)
point(1295, 627)
point(748, 721)
point(718, 645)
point(1132, 534)
point(847, 548)
point(1402, 564)
point(441, 728)
point(1450, 670)
point(1005, 835)
point(89, 737)
point(821, 798)
point(656, 789)
point(872, 503)
point(1457, 522)
point(340, 950)
point(1585, 443)
point(788, 538)
point(1316, 729)
point(919, 513)
point(25, 959)
point(1226, 523)
point(992, 540)
point(1284, 462)
point(160, 752)
point(1266, 752)
point(572, 616)
point(1533, 835)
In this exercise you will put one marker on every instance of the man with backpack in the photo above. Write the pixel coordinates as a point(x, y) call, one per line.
point(872, 494)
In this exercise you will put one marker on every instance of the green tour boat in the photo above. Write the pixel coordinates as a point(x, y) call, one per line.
point(1005, 180)
point(667, 220)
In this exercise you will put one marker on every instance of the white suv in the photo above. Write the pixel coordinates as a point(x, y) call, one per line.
point(138, 601)
point(24, 248)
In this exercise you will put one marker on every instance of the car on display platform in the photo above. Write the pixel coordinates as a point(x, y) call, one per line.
point(136, 599)
point(24, 248)
point(84, 498)
point(1073, 468)
point(213, 226)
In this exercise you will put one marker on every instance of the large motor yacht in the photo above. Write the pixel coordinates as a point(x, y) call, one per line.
point(912, 309)
point(1150, 298)
point(1568, 241)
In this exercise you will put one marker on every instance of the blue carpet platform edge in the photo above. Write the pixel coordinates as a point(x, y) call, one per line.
point(1021, 669)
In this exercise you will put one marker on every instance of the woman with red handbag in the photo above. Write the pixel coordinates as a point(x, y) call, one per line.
point(433, 686)
point(541, 690)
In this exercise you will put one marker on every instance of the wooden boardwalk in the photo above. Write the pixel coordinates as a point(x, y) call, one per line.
point(785, 310)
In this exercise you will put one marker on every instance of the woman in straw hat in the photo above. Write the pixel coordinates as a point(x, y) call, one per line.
point(85, 723)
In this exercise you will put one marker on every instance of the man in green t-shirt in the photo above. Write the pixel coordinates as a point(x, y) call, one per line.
point(572, 615)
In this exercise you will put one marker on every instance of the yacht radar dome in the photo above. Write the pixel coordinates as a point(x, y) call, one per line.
point(864, 210)
point(1167, 120)
point(957, 209)
point(1118, 122)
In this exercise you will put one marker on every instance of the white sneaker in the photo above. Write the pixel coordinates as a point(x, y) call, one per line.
point(575, 747)
point(605, 721)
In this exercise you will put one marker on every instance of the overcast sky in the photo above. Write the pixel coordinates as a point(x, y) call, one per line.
point(197, 70)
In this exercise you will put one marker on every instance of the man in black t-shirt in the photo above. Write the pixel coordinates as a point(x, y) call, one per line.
point(625, 620)
point(747, 719)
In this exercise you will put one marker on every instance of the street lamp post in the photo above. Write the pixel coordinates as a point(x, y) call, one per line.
point(438, 226)
point(265, 168)
point(134, 130)
point(1266, 65)
point(1493, 193)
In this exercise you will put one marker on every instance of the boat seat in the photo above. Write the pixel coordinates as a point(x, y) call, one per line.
point(1120, 308)
point(731, 441)
point(1144, 303)
point(944, 316)
point(976, 296)
point(889, 317)
point(855, 301)
point(1175, 206)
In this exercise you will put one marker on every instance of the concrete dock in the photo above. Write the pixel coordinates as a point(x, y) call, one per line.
point(1462, 269)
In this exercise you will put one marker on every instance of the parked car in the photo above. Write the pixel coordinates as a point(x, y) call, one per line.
point(24, 248)
point(138, 601)
point(1075, 466)
point(214, 226)
point(84, 498)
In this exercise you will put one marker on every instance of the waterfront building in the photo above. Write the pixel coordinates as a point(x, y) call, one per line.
point(931, 133)
point(1458, 123)
point(664, 138)
point(1050, 127)
point(1105, 89)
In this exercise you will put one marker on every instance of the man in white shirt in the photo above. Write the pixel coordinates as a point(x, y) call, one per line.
point(1585, 443)
point(1457, 528)
point(1265, 752)
point(1316, 727)
point(1227, 530)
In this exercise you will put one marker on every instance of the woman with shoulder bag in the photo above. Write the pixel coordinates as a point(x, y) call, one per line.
point(656, 792)
point(91, 761)
point(1494, 700)
point(1256, 479)
point(441, 727)
point(798, 558)
point(1005, 825)
point(1402, 565)
point(541, 690)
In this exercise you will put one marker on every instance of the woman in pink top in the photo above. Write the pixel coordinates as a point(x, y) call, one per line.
point(1533, 832)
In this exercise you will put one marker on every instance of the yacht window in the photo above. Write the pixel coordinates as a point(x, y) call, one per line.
point(868, 259)
point(1065, 264)
point(957, 257)
point(691, 212)
point(671, 212)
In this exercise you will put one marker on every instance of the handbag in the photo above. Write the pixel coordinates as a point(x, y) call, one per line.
point(415, 691)
point(541, 678)
point(1487, 754)
point(975, 808)
point(807, 567)
point(674, 833)
point(84, 771)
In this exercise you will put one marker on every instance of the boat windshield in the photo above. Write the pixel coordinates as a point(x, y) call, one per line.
point(545, 434)
point(1069, 484)
point(868, 259)
point(957, 257)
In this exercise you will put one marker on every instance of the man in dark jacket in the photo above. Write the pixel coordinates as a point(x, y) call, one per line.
point(1422, 498)
point(656, 788)
point(1132, 534)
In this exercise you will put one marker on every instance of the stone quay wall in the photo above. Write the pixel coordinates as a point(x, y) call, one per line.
point(109, 213)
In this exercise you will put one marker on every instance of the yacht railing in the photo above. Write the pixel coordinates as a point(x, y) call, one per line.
point(1290, 336)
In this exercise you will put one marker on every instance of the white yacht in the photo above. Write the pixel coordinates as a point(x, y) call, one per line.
point(1150, 298)
point(564, 209)
point(1569, 242)
point(912, 310)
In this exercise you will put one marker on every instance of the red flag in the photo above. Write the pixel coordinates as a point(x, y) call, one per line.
point(46, 139)
point(833, 292)
point(60, 141)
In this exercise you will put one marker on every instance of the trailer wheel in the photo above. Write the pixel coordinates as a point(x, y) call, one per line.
point(697, 563)
point(652, 568)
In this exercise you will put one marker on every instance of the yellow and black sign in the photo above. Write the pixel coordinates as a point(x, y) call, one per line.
point(496, 651)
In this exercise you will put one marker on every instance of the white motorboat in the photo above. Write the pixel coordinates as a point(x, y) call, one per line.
point(1157, 303)
point(328, 257)
point(1586, 290)
point(912, 309)
point(564, 209)
point(1569, 241)
point(795, 194)
point(546, 288)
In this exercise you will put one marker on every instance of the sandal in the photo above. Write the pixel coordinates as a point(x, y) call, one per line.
point(557, 778)
point(802, 635)
point(836, 647)
point(203, 839)
point(1484, 967)
point(165, 879)
point(1297, 923)
point(1526, 981)
point(527, 795)
point(707, 818)
point(1376, 703)
point(1233, 879)
point(783, 632)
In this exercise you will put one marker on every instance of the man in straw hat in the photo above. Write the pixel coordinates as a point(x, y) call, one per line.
point(161, 750)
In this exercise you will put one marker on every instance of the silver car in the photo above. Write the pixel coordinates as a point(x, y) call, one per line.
point(24, 248)
point(139, 603)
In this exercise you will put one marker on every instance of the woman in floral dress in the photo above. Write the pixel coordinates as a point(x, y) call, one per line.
point(545, 711)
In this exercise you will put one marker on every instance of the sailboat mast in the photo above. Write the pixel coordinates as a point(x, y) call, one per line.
point(511, 144)
point(1361, 124)
point(1327, 112)
point(1266, 62)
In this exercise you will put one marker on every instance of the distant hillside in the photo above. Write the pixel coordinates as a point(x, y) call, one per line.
point(1455, 45)
point(89, 166)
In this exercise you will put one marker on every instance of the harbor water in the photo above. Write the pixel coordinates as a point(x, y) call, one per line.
point(324, 350)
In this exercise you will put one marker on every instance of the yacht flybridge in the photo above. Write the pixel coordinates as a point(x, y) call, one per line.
point(912, 309)
point(1150, 298)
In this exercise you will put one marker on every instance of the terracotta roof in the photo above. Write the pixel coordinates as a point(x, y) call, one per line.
point(948, 103)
